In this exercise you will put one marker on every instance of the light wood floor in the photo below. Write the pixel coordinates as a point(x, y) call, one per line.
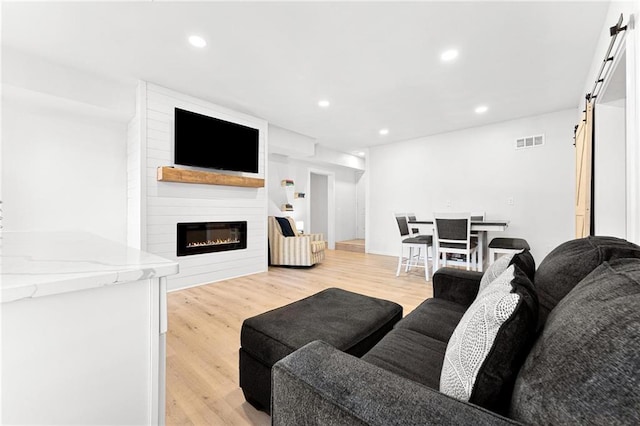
point(351, 245)
point(204, 328)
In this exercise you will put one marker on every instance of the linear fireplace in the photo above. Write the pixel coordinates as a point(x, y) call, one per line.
point(209, 237)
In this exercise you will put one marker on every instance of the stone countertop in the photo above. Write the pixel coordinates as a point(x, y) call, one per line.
point(36, 264)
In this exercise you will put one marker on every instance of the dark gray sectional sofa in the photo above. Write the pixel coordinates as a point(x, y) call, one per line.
point(581, 367)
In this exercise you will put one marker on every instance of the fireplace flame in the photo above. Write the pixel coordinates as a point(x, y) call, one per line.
point(213, 242)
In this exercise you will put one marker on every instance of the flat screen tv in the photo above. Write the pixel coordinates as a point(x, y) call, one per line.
point(203, 141)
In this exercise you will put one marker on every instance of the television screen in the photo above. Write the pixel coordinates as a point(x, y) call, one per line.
point(209, 142)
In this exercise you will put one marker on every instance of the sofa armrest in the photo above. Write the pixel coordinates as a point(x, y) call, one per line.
point(456, 285)
point(318, 384)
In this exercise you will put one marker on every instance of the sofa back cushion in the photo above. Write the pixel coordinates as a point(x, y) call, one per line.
point(584, 367)
point(570, 262)
point(491, 341)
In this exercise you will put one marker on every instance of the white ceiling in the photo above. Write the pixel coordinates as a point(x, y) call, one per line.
point(377, 62)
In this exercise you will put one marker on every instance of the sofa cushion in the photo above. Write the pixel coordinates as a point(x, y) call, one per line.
point(526, 263)
point(409, 354)
point(523, 259)
point(570, 262)
point(436, 318)
point(583, 369)
point(491, 341)
point(285, 227)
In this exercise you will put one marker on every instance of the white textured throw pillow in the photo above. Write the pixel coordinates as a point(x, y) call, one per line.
point(475, 334)
point(495, 270)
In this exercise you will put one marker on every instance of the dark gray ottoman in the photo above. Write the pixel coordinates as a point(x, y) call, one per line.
point(348, 321)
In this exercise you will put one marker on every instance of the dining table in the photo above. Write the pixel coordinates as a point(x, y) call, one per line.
point(481, 227)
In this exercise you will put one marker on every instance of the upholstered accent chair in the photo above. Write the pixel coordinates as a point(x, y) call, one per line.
point(288, 247)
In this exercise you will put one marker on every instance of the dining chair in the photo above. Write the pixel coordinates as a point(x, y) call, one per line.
point(415, 232)
point(476, 216)
point(452, 232)
point(414, 245)
point(475, 235)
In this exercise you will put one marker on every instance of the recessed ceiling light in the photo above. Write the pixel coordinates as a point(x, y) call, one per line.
point(197, 41)
point(449, 55)
point(323, 103)
point(481, 109)
point(384, 132)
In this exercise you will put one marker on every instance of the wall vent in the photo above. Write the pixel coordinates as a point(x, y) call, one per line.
point(529, 141)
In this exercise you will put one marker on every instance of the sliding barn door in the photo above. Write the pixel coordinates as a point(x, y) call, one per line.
point(584, 171)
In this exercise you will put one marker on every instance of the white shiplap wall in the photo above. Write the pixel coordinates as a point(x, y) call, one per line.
point(164, 204)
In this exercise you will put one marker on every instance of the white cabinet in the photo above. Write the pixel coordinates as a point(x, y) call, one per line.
point(83, 331)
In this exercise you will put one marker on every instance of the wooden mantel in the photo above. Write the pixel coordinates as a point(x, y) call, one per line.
point(173, 174)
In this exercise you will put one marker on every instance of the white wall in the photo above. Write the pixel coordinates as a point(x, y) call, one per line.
point(288, 143)
point(281, 167)
point(136, 176)
point(64, 168)
point(333, 157)
point(361, 205)
point(479, 170)
point(319, 202)
point(345, 171)
point(346, 197)
point(164, 204)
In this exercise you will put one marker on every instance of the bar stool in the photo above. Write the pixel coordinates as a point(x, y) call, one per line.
point(417, 243)
point(475, 235)
point(499, 246)
point(452, 232)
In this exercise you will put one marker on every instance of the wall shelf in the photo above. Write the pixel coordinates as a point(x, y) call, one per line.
point(173, 174)
point(288, 185)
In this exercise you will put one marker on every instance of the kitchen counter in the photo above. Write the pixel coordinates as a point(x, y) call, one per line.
point(84, 322)
point(36, 264)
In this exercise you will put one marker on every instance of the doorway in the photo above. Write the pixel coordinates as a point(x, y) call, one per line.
point(361, 207)
point(321, 205)
point(609, 165)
